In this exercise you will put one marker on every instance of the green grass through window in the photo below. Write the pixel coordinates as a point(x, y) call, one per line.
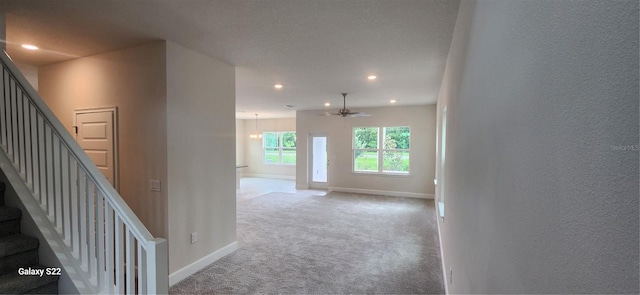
point(392, 162)
point(273, 157)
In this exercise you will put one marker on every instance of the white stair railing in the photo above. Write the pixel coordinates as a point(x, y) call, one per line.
point(97, 238)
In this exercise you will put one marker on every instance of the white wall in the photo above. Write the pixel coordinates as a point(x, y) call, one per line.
point(421, 119)
point(253, 149)
point(542, 159)
point(30, 72)
point(200, 155)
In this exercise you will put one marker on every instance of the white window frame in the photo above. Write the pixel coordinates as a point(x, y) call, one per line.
point(279, 147)
point(380, 150)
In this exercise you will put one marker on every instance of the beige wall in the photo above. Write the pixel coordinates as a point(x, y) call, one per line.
point(201, 154)
point(3, 30)
point(176, 124)
point(240, 142)
point(30, 72)
point(253, 149)
point(134, 81)
point(421, 119)
point(541, 190)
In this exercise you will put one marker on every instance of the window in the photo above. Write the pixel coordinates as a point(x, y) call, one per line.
point(365, 149)
point(279, 147)
point(443, 149)
point(392, 157)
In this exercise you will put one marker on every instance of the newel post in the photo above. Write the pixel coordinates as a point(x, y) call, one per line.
point(158, 267)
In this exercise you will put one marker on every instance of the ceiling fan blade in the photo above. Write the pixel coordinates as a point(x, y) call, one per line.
point(359, 114)
point(327, 114)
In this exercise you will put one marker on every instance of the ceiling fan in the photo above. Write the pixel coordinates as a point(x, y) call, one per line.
point(344, 112)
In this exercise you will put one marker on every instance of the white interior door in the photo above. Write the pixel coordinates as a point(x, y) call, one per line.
point(319, 162)
point(96, 134)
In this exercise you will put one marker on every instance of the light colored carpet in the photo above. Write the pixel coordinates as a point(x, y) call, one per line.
point(340, 243)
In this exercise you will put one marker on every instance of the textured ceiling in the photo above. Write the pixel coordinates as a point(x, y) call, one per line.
point(315, 48)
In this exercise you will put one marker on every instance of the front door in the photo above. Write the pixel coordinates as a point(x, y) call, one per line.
point(319, 162)
point(96, 134)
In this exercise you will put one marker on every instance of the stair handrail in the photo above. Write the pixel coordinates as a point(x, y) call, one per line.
point(155, 248)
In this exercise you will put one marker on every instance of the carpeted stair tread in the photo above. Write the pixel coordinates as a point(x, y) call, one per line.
point(13, 283)
point(9, 221)
point(9, 213)
point(16, 243)
point(3, 187)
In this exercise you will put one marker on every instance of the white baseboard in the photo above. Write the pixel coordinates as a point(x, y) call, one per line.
point(381, 192)
point(201, 263)
point(439, 221)
point(272, 176)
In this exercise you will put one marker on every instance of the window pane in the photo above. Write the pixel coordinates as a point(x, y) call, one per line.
point(396, 137)
point(395, 161)
point(288, 139)
point(365, 160)
point(365, 137)
point(270, 139)
point(271, 156)
point(288, 156)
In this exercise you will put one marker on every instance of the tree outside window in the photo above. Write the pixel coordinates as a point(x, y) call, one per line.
point(365, 149)
point(396, 149)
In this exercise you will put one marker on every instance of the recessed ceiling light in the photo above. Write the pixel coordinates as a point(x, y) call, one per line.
point(326, 104)
point(29, 47)
point(372, 77)
point(278, 86)
point(393, 101)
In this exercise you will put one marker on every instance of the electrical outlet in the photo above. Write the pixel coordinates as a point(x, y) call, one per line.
point(194, 237)
point(154, 185)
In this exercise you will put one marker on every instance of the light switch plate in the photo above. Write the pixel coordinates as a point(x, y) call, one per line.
point(154, 185)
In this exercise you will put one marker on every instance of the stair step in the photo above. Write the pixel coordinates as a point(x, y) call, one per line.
point(51, 288)
point(17, 243)
point(17, 251)
point(3, 187)
point(9, 213)
point(9, 221)
point(9, 227)
point(13, 283)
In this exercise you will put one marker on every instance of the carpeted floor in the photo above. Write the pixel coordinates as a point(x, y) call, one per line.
point(335, 244)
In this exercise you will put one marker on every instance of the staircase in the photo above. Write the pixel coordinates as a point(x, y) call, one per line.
point(20, 251)
point(100, 243)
